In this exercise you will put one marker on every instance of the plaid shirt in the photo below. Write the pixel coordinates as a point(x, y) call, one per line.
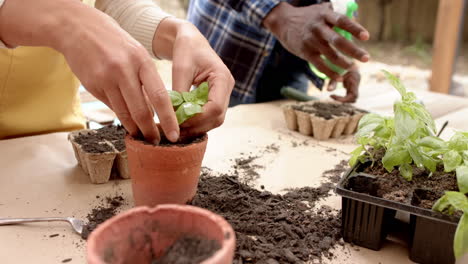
point(234, 30)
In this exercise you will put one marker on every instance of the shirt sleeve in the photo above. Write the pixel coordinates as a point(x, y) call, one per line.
point(140, 18)
point(254, 11)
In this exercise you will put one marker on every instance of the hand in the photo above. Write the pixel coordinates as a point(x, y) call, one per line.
point(308, 33)
point(112, 65)
point(194, 62)
point(351, 82)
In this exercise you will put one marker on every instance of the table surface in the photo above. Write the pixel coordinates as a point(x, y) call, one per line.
point(39, 177)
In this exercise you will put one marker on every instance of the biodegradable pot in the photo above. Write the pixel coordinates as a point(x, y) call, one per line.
point(141, 234)
point(164, 174)
point(290, 117)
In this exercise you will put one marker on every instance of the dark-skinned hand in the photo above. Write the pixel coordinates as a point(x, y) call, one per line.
point(307, 32)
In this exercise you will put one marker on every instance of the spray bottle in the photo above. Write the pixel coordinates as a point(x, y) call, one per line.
point(344, 7)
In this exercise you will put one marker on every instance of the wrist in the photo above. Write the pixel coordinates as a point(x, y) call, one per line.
point(168, 31)
point(37, 23)
point(274, 19)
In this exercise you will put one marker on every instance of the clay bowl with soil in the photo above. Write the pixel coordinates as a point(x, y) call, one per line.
point(166, 173)
point(162, 235)
point(322, 119)
point(101, 153)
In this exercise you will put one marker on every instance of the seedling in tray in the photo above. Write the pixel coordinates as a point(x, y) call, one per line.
point(408, 141)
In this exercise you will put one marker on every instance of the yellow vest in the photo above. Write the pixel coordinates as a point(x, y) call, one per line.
point(38, 93)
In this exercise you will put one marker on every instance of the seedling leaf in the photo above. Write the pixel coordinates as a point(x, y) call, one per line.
point(186, 111)
point(189, 97)
point(462, 178)
point(355, 154)
point(176, 98)
point(394, 156)
point(406, 171)
point(452, 160)
point(201, 93)
point(460, 246)
point(395, 82)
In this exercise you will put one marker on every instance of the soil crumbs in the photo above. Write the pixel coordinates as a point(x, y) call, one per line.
point(274, 228)
point(107, 209)
point(189, 250)
point(245, 167)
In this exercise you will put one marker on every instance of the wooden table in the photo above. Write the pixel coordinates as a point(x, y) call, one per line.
point(39, 177)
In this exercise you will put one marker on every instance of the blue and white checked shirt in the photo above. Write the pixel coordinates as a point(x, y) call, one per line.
point(234, 30)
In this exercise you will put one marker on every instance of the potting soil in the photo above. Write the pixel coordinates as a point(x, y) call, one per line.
point(104, 211)
point(392, 186)
point(93, 142)
point(189, 250)
point(273, 228)
point(328, 110)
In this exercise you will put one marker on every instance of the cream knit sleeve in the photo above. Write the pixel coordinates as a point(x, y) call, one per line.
point(140, 18)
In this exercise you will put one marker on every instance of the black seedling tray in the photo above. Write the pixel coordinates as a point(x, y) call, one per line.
point(367, 219)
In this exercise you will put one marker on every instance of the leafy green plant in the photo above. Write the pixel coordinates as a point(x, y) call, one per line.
point(188, 104)
point(408, 139)
point(449, 203)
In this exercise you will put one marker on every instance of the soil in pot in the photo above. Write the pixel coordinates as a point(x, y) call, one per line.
point(391, 186)
point(164, 142)
point(92, 142)
point(328, 110)
point(188, 250)
point(274, 228)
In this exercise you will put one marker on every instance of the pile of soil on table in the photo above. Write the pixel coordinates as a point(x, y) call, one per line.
point(107, 208)
point(94, 142)
point(189, 250)
point(392, 186)
point(328, 110)
point(274, 228)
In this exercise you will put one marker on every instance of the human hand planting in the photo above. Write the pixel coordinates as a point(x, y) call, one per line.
point(194, 62)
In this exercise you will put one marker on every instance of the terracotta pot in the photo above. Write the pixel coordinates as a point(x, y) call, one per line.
point(164, 174)
point(140, 234)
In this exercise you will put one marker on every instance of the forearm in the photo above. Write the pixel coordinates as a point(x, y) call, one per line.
point(140, 18)
point(39, 22)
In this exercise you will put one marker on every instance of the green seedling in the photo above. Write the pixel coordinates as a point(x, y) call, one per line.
point(409, 139)
point(188, 104)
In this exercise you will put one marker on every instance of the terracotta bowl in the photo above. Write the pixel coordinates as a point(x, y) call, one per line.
point(141, 233)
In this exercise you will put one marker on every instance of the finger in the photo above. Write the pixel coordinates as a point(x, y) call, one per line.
point(159, 98)
point(334, 56)
point(351, 83)
point(182, 75)
point(116, 102)
point(321, 66)
point(331, 85)
point(214, 110)
point(343, 45)
point(347, 24)
point(139, 110)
